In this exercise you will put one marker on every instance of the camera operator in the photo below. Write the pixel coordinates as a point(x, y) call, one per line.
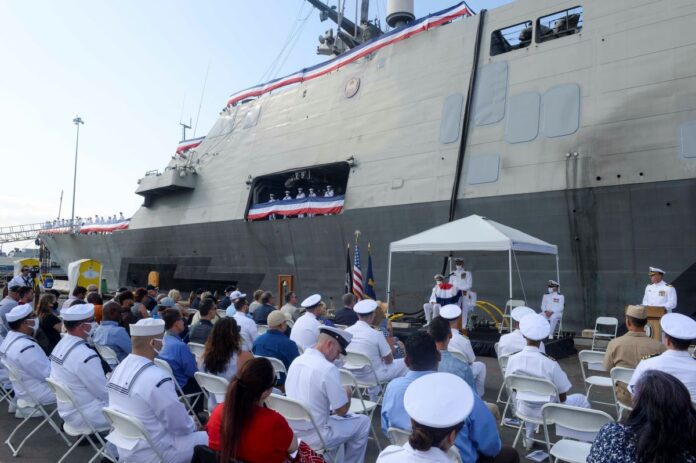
point(23, 279)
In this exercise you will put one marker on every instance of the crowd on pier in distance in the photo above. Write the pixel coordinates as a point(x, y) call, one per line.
point(211, 376)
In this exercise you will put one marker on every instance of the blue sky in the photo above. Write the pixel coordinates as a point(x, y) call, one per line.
point(128, 68)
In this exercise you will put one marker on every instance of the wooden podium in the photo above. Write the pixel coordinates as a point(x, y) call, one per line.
point(654, 316)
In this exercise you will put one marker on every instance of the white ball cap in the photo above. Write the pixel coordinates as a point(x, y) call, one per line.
point(77, 312)
point(311, 301)
point(450, 312)
point(439, 400)
point(236, 295)
point(19, 312)
point(365, 306)
point(147, 327)
point(518, 313)
point(535, 327)
point(679, 326)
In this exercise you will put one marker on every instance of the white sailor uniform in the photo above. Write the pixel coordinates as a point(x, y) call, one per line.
point(660, 295)
point(140, 389)
point(553, 302)
point(462, 344)
point(407, 454)
point(25, 355)
point(305, 331)
point(19, 280)
point(514, 342)
point(76, 366)
point(441, 295)
point(247, 330)
point(315, 382)
point(531, 362)
point(300, 195)
point(677, 363)
point(372, 343)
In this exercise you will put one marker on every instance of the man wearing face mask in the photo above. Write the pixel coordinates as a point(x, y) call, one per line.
point(314, 380)
point(552, 306)
point(140, 389)
point(76, 366)
point(21, 350)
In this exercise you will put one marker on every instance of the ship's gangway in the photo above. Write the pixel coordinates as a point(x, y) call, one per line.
point(13, 233)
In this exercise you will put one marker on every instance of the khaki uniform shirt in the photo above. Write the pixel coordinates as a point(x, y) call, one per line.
point(627, 351)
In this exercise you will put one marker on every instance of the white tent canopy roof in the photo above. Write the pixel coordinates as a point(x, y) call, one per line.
point(473, 233)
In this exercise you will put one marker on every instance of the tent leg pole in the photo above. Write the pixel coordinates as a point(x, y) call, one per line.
point(558, 273)
point(510, 270)
point(389, 280)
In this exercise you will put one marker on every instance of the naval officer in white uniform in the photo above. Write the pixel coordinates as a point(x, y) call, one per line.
point(514, 342)
point(372, 343)
point(19, 349)
point(658, 293)
point(680, 332)
point(305, 331)
point(462, 281)
point(552, 305)
point(438, 404)
point(78, 367)
point(531, 362)
point(314, 380)
point(142, 390)
point(461, 344)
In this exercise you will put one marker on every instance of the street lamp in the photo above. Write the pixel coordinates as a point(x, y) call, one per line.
point(77, 121)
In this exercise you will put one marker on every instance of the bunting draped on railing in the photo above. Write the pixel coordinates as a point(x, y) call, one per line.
point(185, 145)
point(88, 228)
point(362, 50)
point(307, 206)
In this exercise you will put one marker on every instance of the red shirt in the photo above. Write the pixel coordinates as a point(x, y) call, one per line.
point(265, 438)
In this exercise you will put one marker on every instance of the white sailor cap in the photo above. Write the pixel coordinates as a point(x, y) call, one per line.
point(77, 312)
point(147, 327)
point(654, 270)
point(439, 276)
point(535, 327)
point(679, 326)
point(451, 312)
point(439, 400)
point(343, 337)
point(236, 295)
point(311, 301)
point(518, 313)
point(553, 283)
point(365, 306)
point(19, 312)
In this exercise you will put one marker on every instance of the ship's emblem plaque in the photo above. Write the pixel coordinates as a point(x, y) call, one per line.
point(352, 87)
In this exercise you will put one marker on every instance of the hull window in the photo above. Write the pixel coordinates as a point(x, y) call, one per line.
point(300, 193)
point(511, 38)
point(561, 24)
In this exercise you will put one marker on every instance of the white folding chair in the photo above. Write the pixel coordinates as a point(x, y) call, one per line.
point(300, 349)
point(359, 404)
point(261, 329)
point(185, 398)
point(196, 349)
point(356, 361)
point(502, 363)
point(293, 410)
point(34, 406)
point(594, 361)
point(495, 348)
point(509, 305)
point(221, 313)
point(531, 389)
point(211, 385)
point(583, 424)
point(108, 354)
point(130, 428)
point(620, 374)
point(278, 366)
point(88, 431)
point(611, 324)
point(398, 436)
point(692, 351)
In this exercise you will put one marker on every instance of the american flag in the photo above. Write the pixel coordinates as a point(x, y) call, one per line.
point(357, 275)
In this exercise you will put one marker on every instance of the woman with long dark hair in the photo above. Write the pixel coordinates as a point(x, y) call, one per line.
point(48, 322)
point(660, 429)
point(242, 428)
point(223, 354)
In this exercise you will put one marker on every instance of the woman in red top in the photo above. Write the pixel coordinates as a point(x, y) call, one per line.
point(242, 428)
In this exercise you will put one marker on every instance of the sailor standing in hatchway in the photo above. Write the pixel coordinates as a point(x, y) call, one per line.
point(552, 306)
point(462, 281)
point(300, 195)
point(271, 199)
point(328, 193)
point(658, 293)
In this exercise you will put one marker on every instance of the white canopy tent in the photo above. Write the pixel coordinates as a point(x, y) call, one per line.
point(473, 233)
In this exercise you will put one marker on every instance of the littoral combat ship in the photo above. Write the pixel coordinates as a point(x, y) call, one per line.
point(572, 121)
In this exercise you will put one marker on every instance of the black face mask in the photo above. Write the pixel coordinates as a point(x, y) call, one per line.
point(55, 306)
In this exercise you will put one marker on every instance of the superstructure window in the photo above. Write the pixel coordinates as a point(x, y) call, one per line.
point(511, 38)
point(560, 24)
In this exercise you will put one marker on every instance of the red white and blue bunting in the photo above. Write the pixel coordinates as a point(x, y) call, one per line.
point(88, 228)
point(307, 206)
point(185, 145)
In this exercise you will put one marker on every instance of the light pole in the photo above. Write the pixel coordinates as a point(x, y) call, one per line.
point(77, 121)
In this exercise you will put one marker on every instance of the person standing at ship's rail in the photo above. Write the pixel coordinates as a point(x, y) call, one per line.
point(329, 193)
point(271, 199)
point(287, 197)
point(658, 293)
point(442, 295)
point(552, 305)
point(311, 194)
point(300, 195)
point(462, 281)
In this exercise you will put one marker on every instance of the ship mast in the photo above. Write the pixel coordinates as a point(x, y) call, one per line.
point(349, 34)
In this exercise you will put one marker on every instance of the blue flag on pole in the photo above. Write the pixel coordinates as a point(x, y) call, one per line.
point(370, 292)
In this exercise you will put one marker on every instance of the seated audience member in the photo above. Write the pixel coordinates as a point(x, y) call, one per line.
point(242, 428)
point(138, 309)
point(384, 324)
point(223, 354)
point(513, 342)
point(256, 303)
point(346, 315)
point(439, 329)
point(321, 315)
point(96, 300)
point(261, 313)
point(305, 331)
point(225, 302)
point(437, 404)
point(79, 292)
point(274, 343)
point(462, 344)
point(178, 355)
point(291, 307)
point(48, 322)
point(110, 333)
point(199, 332)
point(478, 439)
point(247, 328)
point(141, 390)
point(661, 427)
